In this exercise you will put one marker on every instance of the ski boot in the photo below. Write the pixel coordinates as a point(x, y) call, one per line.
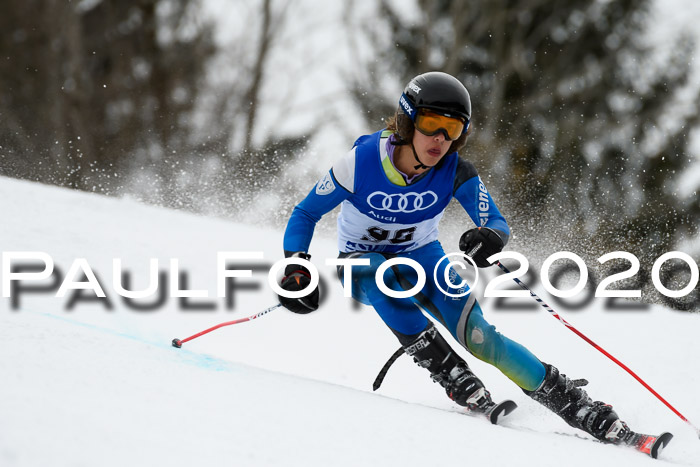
point(430, 350)
point(565, 397)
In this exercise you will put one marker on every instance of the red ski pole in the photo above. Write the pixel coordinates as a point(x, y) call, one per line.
point(178, 342)
point(599, 348)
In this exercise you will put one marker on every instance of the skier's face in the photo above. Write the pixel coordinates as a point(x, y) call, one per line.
point(430, 149)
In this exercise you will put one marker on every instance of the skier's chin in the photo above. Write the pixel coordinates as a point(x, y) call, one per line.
point(431, 159)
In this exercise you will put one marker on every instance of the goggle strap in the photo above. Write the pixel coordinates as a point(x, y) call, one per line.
point(407, 107)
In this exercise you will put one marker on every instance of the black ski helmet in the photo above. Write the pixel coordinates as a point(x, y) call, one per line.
point(437, 91)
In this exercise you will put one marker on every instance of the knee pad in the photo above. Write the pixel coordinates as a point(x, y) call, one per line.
point(483, 341)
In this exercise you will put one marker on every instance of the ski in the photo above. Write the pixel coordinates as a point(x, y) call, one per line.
point(494, 412)
point(649, 444)
point(502, 409)
point(621, 435)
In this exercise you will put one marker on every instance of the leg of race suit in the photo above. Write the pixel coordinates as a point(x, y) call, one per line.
point(418, 336)
point(485, 343)
point(400, 314)
point(461, 314)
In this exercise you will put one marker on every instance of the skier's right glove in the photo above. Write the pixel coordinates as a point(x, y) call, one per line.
point(297, 277)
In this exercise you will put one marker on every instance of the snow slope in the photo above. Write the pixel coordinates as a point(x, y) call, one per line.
point(97, 386)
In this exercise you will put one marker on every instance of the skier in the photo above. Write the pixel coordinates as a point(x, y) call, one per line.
point(394, 186)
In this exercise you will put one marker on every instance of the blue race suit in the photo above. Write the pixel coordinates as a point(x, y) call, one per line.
point(383, 216)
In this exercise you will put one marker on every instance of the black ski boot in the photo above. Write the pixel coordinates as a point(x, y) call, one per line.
point(430, 350)
point(565, 397)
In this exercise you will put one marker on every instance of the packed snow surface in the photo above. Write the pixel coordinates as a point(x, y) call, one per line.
point(89, 383)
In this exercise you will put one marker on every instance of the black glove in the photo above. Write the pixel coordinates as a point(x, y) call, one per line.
point(297, 277)
point(480, 243)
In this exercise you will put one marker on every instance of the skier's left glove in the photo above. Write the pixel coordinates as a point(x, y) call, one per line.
point(297, 277)
point(480, 243)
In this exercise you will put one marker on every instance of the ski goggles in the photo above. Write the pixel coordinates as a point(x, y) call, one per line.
point(430, 123)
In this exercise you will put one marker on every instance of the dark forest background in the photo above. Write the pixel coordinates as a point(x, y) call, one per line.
point(582, 133)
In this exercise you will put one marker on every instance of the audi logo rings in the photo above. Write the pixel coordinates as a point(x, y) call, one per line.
point(402, 202)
